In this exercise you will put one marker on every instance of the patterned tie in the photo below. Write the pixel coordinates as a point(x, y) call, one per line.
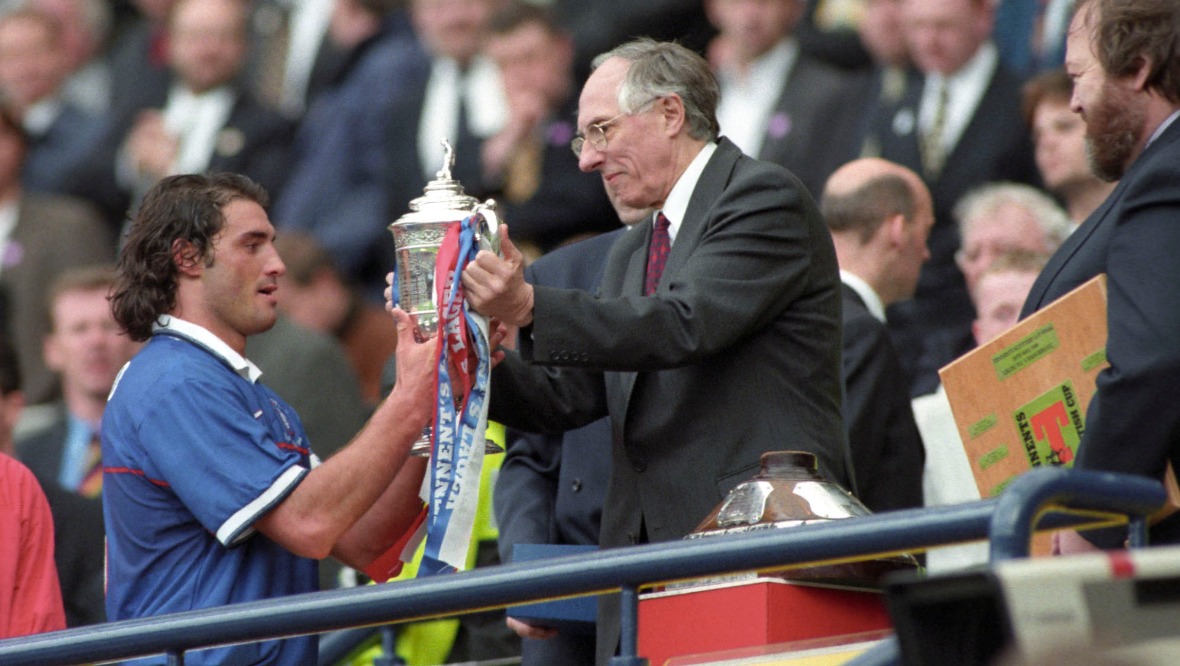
point(91, 483)
point(933, 142)
point(657, 254)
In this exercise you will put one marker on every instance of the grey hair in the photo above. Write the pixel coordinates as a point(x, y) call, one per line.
point(659, 69)
point(985, 200)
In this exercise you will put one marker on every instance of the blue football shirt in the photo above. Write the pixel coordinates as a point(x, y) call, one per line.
point(195, 450)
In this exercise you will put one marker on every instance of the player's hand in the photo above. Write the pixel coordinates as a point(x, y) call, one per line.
point(526, 630)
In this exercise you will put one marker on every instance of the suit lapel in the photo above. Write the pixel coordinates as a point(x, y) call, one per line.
point(1100, 216)
point(688, 236)
point(1068, 249)
point(899, 133)
point(983, 128)
point(632, 285)
point(706, 192)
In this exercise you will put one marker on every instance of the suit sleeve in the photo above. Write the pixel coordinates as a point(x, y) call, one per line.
point(887, 452)
point(1133, 424)
point(526, 490)
point(749, 264)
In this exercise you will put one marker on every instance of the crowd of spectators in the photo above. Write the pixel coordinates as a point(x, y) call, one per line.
point(337, 108)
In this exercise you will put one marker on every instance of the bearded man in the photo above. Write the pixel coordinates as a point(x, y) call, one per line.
point(1124, 59)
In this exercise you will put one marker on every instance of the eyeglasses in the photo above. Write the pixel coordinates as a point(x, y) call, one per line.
point(596, 133)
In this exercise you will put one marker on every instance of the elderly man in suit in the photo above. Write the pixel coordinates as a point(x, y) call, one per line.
point(1124, 58)
point(779, 103)
point(880, 216)
point(958, 125)
point(715, 336)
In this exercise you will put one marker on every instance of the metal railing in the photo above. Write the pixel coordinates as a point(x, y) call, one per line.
point(1008, 521)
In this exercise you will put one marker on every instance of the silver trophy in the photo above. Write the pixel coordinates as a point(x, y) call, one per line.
point(417, 236)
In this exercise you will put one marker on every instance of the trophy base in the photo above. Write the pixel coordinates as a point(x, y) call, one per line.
point(422, 445)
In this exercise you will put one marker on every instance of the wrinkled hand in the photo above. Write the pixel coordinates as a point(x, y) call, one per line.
point(496, 288)
point(526, 630)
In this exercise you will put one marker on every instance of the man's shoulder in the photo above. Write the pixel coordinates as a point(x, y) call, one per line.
point(576, 264)
point(59, 209)
point(165, 364)
point(742, 175)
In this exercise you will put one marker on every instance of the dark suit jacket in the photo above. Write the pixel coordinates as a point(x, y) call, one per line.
point(54, 155)
point(255, 141)
point(52, 233)
point(813, 130)
point(995, 146)
point(567, 203)
point(1132, 424)
point(737, 353)
point(77, 525)
point(551, 488)
point(339, 186)
point(887, 451)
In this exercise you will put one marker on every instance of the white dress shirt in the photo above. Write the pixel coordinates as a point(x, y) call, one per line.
point(196, 119)
point(483, 96)
point(676, 204)
point(965, 89)
point(867, 294)
point(748, 101)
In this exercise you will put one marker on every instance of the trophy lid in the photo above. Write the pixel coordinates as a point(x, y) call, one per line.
point(444, 192)
point(787, 492)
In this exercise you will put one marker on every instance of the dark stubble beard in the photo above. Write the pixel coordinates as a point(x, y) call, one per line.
point(1113, 128)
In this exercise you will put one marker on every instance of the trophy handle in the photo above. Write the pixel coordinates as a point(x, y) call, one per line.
point(488, 229)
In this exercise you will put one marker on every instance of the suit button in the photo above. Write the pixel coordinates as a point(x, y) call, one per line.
point(576, 485)
point(552, 356)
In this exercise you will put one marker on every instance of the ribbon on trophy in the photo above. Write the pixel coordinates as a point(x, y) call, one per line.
point(457, 449)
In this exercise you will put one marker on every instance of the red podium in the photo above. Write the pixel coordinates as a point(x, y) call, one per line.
point(757, 611)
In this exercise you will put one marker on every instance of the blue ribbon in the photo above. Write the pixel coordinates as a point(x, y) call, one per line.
point(457, 451)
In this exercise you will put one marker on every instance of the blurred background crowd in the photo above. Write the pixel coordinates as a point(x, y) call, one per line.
point(337, 107)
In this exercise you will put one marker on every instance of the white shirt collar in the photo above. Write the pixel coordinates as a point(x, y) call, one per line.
point(965, 88)
point(866, 293)
point(40, 116)
point(487, 111)
point(676, 205)
point(9, 214)
point(207, 339)
point(1163, 127)
point(197, 120)
point(747, 102)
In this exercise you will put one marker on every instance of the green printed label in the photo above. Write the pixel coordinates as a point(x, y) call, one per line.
point(992, 457)
point(1094, 360)
point(1051, 426)
point(982, 425)
point(1024, 352)
point(999, 487)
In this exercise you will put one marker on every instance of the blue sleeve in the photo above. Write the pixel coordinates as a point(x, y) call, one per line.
point(228, 456)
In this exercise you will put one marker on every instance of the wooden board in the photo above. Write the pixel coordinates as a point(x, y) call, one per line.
point(1020, 400)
